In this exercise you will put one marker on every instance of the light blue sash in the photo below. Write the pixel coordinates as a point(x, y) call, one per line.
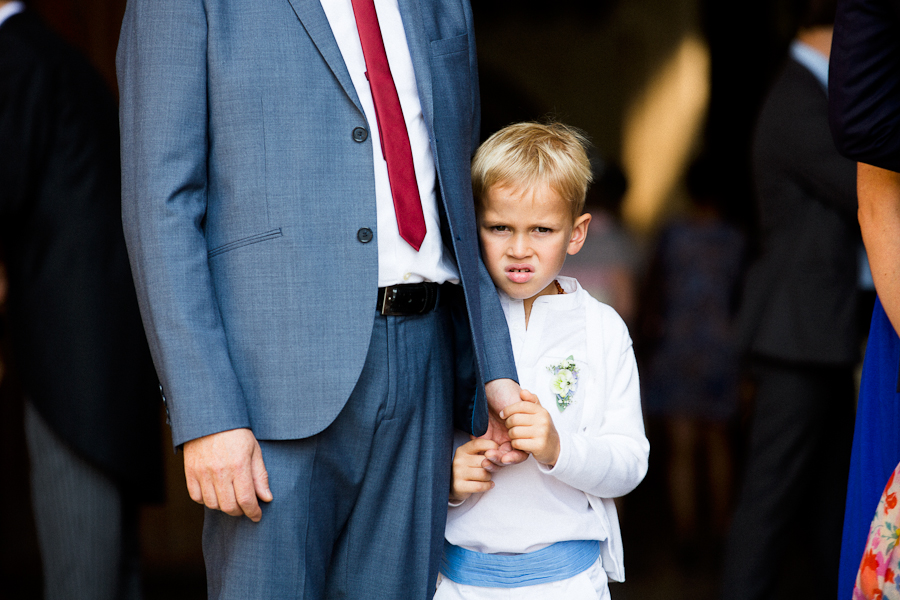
point(559, 561)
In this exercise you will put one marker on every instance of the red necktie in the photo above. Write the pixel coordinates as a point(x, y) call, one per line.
point(391, 125)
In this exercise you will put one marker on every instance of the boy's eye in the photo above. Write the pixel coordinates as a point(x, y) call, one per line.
point(543, 229)
point(499, 228)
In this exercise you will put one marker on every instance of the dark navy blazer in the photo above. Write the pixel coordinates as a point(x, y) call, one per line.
point(864, 82)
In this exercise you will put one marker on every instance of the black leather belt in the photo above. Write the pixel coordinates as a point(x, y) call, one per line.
point(409, 298)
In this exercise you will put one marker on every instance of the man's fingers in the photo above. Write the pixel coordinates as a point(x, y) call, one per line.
point(245, 498)
point(496, 430)
point(227, 498)
point(208, 494)
point(513, 457)
point(250, 483)
point(260, 477)
point(495, 456)
point(193, 486)
point(225, 471)
point(492, 461)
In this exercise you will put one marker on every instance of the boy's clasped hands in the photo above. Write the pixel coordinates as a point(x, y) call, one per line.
point(531, 430)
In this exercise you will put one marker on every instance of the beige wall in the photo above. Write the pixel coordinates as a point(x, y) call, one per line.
point(635, 79)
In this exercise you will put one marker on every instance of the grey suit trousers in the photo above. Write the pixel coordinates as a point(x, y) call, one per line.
point(359, 509)
point(87, 529)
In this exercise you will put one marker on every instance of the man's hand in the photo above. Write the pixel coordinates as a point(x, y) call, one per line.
point(225, 471)
point(500, 394)
point(531, 429)
point(469, 474)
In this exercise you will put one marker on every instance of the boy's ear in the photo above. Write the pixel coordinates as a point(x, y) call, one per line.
point(579, 233)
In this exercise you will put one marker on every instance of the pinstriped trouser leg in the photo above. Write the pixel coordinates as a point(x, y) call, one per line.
point(87, 535)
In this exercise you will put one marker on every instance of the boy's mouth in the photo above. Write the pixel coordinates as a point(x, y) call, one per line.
point(519, 273)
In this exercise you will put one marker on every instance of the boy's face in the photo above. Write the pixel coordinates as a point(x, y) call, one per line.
point(525, 236)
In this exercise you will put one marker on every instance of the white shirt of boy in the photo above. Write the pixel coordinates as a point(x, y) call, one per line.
point(603, 449)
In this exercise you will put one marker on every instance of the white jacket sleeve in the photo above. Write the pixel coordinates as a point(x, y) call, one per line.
point(607, 456)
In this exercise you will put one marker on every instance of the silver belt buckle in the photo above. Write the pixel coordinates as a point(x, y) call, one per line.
point(388, 299)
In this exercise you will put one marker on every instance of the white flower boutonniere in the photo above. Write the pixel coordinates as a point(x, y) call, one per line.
point(564, 382)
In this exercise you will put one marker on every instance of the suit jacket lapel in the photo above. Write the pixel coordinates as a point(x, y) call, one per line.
point(420, 50)
point(313, 19)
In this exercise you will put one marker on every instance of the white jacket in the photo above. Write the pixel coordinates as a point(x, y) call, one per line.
point(603, 453)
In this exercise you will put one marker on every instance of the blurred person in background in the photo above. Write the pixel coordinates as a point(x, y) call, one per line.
point(91, 414)
point(799, 326)
point(692, 360)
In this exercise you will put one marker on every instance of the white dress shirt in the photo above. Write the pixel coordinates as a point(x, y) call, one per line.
point(398, 262)
point(814, 61)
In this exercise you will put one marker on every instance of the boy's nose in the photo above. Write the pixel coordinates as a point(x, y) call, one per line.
point(519, 246)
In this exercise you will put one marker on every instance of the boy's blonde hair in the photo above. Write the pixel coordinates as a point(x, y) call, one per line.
point(527, 155)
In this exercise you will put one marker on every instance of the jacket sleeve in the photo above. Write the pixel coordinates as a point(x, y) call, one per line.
point(161, 66)
point(792, 145)
point(484, 352)
point(499, 360)
point(864, 89)
point(607, 457)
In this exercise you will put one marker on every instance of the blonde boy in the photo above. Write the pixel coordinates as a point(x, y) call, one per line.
point(546, 528)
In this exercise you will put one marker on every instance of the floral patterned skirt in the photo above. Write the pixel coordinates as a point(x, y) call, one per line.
point(879, 571)
point(872, 563)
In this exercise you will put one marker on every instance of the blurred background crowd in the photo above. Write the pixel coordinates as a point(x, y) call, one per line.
point(684, 101)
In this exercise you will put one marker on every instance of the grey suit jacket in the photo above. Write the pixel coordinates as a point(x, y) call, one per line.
point(800, 297)
point(244, 187)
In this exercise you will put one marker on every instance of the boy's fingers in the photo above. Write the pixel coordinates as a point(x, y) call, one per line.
point(483, 444)
point(527, 396)
point(525, 445)
point(519, 433)
point(475, 487)
point(479, 446)
point(513, 457)
point(477, 473)
point(520, 420)
point(518, 407)
point(475, 447)
point(475, 461)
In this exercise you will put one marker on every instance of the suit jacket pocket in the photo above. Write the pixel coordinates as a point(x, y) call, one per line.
point(459, 43)
point(253, 239)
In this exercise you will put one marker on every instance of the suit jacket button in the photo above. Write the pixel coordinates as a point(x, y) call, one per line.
point(364, 235)
point(360, 134)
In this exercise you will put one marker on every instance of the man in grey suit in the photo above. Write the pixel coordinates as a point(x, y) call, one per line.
point(267, 218)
